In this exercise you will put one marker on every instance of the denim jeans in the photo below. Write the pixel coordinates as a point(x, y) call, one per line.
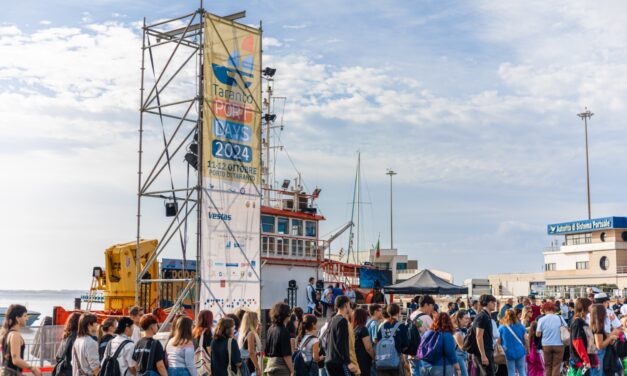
point(462, 359)
point(178, 371)
point(414, 366)
point(514, 365)
point(599, 370)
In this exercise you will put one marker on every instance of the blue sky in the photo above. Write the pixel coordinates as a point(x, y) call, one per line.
point(472, 103)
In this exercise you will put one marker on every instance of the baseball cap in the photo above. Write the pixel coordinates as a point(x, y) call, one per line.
point(601, 297)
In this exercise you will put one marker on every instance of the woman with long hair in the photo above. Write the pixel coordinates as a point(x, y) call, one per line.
point(202, 330)
point(535, 363)
point(512, 338)
point(363, 344)
point(85, 358)
point(250, 343)
point(442, 358)
point(64, 353)
point(180, 349)
point(582, 347)
point(106, 334)
point(224, 345)
point(461, 319)
point(525, 316)
point(12, 342)
point(602, 338)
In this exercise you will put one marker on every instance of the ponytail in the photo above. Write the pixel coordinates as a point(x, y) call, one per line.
point(308, 323)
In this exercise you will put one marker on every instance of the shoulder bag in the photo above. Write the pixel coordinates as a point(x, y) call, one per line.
point(564, 332)
point(202, 359)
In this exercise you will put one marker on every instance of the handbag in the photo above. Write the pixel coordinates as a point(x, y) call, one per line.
point(202, 359)
point(564, 332)
point(499, 355)
point(229, 369)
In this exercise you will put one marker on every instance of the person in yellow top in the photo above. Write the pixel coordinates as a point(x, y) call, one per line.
point(351, 349)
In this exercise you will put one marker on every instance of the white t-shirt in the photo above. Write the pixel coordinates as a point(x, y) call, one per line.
point(623, 310)
point(425, 318)
point(308, 350)
point(125, 359)
point(137, 335)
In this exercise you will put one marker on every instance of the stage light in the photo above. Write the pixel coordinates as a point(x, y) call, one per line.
point(170, 209)
point(286, 184)
point(192, 159)
point(269, 72)
point(269, 117)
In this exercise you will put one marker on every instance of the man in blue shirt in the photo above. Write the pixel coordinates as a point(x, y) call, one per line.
point(507, 306)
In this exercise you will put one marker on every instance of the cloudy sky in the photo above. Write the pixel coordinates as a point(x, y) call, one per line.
point(473, 103)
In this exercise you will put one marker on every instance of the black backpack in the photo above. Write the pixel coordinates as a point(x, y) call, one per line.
point(610, 360)
point(470, 341)
point(413, 335)
point(151, 347)
point(621, 348)
point(301, 365)
point(110, 365)
point(64, 359)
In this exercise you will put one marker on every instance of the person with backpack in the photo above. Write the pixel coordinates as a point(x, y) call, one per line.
point(278, 347)
point(376, 315)
point(149, 353)
point(363, 344)
point(118, 357)
point(480, 341)
point(437, 348)
point(64, 353)
point(180, 349)
point(307, 354)
point(582, 347)
point(85, 359)
point(549, 328)
point(390, 344)
point(417, 324)
point(106, 332)
point(225, 352)
point(512, 338)
point(337, 361)
point(202, 341)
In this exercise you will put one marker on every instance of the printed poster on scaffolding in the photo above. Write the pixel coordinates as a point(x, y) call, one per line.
point(230, 260)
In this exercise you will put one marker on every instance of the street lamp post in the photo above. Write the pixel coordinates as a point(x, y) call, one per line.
point(391, 173)
point(585, 116)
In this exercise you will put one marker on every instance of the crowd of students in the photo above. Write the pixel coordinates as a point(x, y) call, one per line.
point(582, 337)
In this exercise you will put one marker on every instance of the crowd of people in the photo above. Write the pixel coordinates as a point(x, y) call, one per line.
point(551, 338)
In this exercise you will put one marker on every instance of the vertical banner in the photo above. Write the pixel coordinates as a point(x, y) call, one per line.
point(230, 260)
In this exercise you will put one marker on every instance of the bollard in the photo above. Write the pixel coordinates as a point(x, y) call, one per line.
point(77, 303)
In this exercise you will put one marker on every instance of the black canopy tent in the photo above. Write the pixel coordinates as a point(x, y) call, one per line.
point(425, 282)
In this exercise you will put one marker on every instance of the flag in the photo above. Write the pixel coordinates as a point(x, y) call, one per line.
point(377, 250)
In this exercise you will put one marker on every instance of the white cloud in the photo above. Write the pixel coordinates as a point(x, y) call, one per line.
point(297, 27)
point(45, 22)
point(271, 42)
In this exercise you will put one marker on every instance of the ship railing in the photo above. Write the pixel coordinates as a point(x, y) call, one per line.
point(41, 344)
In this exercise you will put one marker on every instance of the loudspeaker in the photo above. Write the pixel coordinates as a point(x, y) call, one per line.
point(292, 283)
point(320, 285)
point(170, 209)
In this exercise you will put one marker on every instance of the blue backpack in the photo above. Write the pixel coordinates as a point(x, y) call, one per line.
point(302, 366)
point(428, 350)
point(387, 358)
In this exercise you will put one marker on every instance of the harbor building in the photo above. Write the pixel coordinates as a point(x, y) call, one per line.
point(593, 253)
point(517, 284)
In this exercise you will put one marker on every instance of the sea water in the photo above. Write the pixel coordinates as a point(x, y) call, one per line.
point(41, 301)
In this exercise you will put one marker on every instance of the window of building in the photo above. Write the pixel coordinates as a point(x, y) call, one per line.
point(401, 266)
point(549, 267)
point(297, 227)
point(604, 263)
point(582, 265)
point(282, 225)
point(301, 247)
point(623, 236)
point(264, 245)
point(574, 239)
point(271, 243)
point(310, 249)
point(267, 223)
point(310, 229)
point(602, 236)
point(282, 247)
point(294, 247)
point(382, 265)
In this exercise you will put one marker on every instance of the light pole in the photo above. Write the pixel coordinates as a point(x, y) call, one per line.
point(585, 116)
point(391, 173)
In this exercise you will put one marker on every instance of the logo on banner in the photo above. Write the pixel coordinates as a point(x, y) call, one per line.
point(239, 65)
point(220, 216)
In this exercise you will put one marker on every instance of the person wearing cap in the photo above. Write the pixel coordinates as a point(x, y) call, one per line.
point(611, 321)
point(123, 332)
